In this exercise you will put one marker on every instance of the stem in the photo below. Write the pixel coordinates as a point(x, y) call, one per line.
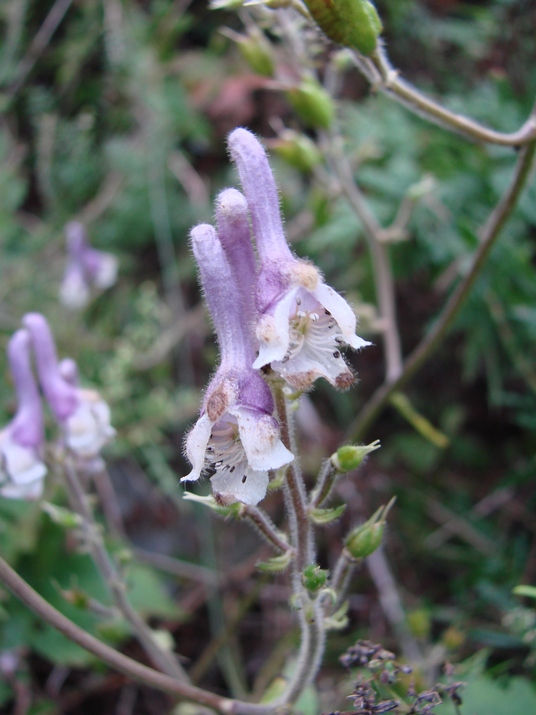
point(39, 43)
point(383, 276)
point(310, 612)
point(266, 527)
point(342, 573)
point(163, 660)
point(118, 661)
point(295, 497)
point(488, 235)
point(325, 483)
point(390, 83)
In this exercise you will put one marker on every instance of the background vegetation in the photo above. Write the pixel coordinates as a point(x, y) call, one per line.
point(119, 119)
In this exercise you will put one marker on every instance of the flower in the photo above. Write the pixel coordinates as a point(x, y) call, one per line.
point(82, 414)
point(235, 441)
point(22, 470)
point(303, 323)
point(86, 267)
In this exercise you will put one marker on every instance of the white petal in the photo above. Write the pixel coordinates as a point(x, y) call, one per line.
point(106, 275)
point(342, 313)
point(273, 331)
point(74, 291)
point(259, 435)
point(249, 487)
point(88, 429)
point(196, 446)
point(30, 492)
point(22, 470)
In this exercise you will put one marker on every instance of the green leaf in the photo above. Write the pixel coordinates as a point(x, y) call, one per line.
point(521, 590)
point(484, 696)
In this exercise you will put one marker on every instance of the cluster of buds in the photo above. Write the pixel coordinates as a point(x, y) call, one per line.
point(83, 416)
point(270, 310)
point(86, 268)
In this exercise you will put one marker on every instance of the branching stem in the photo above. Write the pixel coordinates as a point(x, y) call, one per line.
point(488, 235)
point(163, 660)
point(386, 79)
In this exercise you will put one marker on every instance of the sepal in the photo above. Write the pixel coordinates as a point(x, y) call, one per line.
point(326, 516)
point(276, 564)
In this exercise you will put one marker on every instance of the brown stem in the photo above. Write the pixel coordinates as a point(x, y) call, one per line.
point(488, 235)
point(398, 89)
point(163, 660)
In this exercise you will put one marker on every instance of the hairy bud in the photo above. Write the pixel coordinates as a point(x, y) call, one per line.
point(365, 539)
point(352, 23)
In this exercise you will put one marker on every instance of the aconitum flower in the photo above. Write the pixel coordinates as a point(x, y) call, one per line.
point(235, 441)
point(82, 414)
point(22, 470)
point(303, 323)
point(86, 268)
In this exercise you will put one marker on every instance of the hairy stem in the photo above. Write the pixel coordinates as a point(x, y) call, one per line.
point(488, 235)
point(309, 611)
point(266, 527)
point(325, 483)
point(163, 660)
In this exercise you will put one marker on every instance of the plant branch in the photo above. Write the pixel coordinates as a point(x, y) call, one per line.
point(266, 527)
point(164, 660)
point(39, 43)
point(379, 71)
point(487, 235)
point(383, 276)
point(116, 660)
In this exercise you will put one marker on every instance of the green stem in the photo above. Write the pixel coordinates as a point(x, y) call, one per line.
point(488, 236)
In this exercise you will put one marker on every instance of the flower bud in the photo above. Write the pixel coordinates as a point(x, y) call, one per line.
point(314, 578)
point(352, 23)
point(297, 150)
point(365, 539)
point(257, 52)
point(349, 456)
point(312, 104)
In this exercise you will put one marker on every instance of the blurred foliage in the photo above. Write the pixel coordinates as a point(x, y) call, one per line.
point(120, 123)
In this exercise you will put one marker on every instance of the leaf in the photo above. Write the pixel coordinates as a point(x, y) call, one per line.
point(521, 590)
point(484, 696)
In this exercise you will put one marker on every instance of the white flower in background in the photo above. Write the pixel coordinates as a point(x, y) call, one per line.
point(82, 414)
point(86, 268)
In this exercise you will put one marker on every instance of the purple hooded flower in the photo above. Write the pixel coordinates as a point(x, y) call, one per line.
point(235, 441)
point(302, 323)
point(86, 267)
point(82, 414)
point(22, 470)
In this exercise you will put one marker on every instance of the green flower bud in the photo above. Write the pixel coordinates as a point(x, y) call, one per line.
point(352, 23)
point(297, 150)
point(257, 52)
point(349, 457)
point(312, 104)
point(365, 539)
point(314, 578)
point(61, 516)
